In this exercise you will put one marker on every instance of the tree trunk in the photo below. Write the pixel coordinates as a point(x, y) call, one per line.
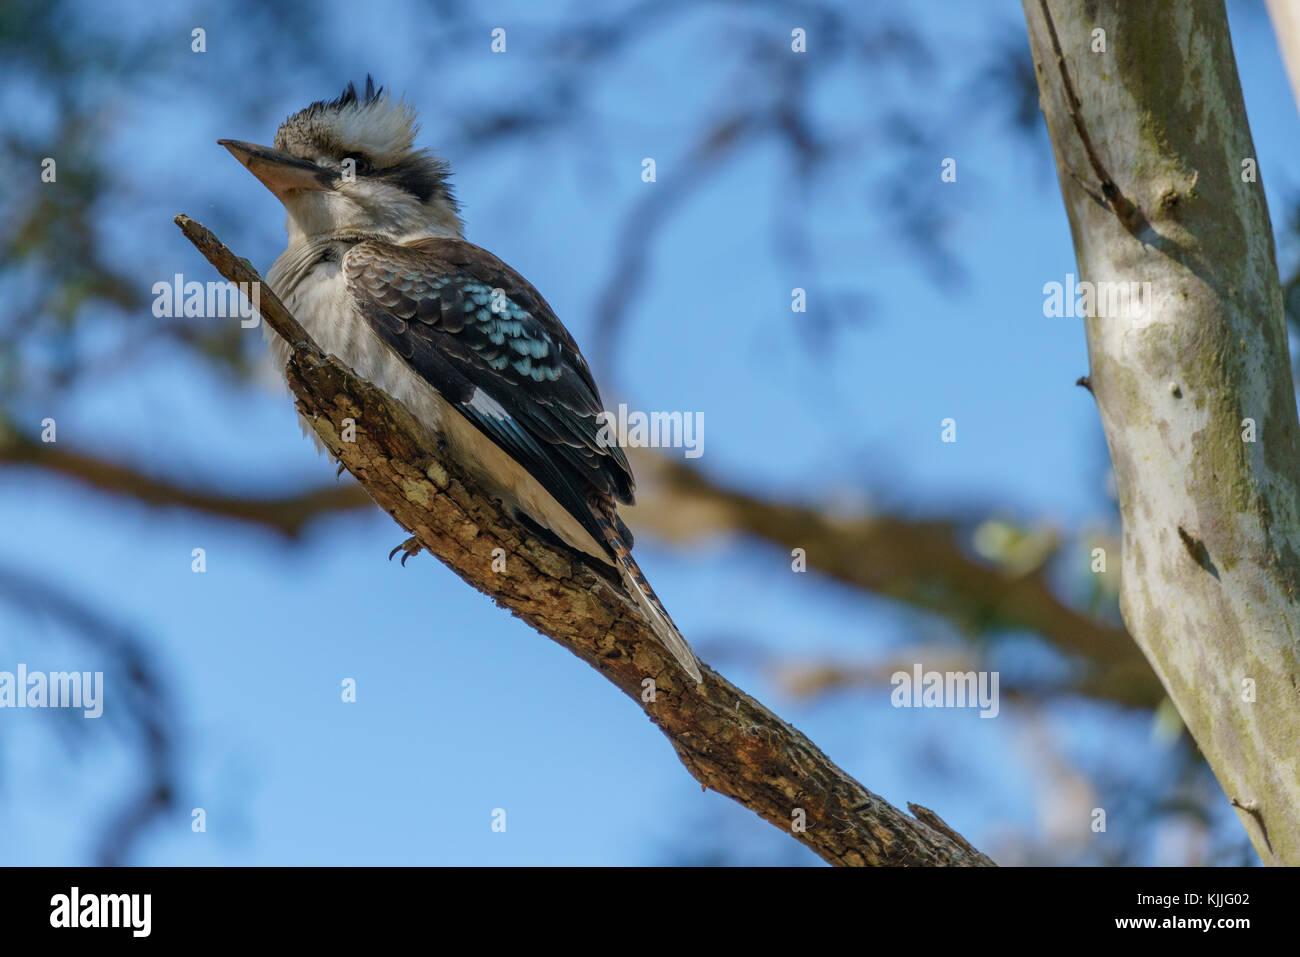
point(1193, 379)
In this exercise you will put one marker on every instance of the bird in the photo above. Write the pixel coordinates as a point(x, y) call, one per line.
point(379, 273)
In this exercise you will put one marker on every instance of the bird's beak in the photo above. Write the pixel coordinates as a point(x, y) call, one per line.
point(279, 172)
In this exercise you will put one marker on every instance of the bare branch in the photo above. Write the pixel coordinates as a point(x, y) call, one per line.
point(917, 562)
point(726, 739)
point(286, 515)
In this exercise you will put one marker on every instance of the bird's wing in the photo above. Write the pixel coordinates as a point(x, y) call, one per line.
point(481, 335)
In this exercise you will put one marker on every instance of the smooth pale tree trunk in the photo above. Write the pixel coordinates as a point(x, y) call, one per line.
point(1158, 173)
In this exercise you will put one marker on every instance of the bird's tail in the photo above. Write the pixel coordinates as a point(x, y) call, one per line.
point(644, 596)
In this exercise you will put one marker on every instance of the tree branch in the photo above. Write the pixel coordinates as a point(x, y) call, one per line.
point(917, 562)
point(726, 739)
point(286, 515)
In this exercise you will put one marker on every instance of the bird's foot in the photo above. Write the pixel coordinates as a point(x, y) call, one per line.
point(411, 547)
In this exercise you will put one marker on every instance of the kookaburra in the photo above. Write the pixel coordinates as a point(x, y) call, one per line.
point(378, 272)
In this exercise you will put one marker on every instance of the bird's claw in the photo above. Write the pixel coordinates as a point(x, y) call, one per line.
point(411, 547)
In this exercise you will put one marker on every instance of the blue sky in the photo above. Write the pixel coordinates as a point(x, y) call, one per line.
point(462, 709)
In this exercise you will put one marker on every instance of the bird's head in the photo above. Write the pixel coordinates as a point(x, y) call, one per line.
point(349, 166)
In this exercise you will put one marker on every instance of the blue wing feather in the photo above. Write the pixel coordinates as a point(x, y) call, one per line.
point(486, 340)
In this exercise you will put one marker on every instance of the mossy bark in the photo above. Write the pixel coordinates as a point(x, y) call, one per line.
point(1161, 186)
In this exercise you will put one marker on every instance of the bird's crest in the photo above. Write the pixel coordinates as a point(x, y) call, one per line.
point(370, 123)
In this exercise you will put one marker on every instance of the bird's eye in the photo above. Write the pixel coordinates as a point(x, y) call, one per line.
point(360, 164)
